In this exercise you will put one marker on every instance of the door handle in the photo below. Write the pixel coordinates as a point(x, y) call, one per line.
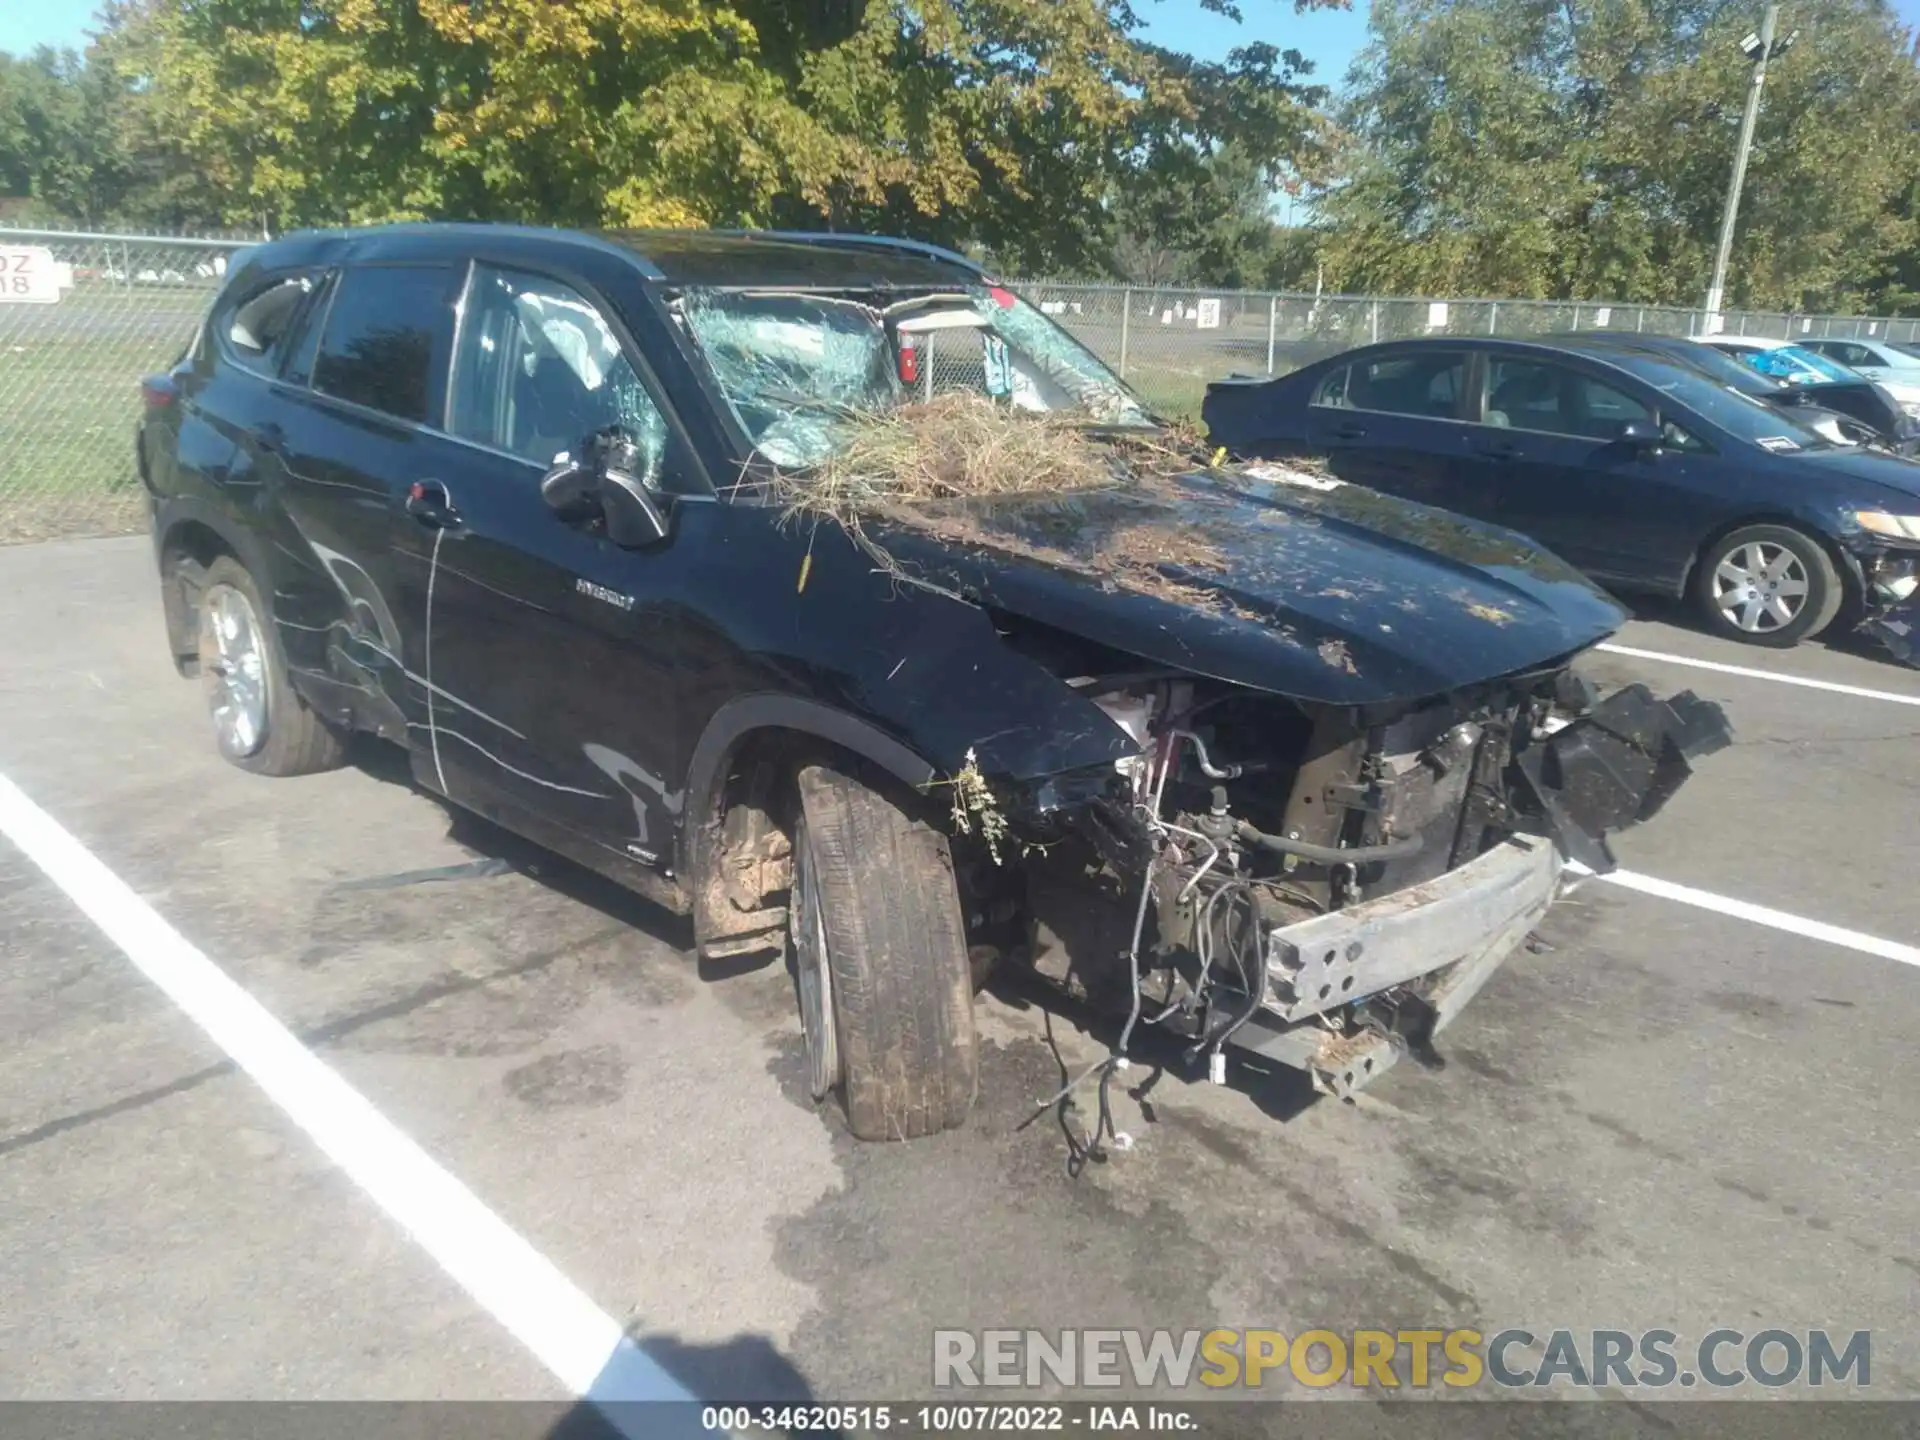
point(1501, 452)
point(429, 503)
point(270, 437)
point(1351, 432)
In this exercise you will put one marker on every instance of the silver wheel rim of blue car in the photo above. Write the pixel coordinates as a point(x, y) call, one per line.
point(1760, 587)
point(813, 976)
point(239, 668)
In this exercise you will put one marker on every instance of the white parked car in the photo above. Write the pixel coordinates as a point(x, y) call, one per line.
point(1802, 364)
point(1893, 363)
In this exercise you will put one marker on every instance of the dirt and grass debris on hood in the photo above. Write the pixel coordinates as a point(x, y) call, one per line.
point(968, 471)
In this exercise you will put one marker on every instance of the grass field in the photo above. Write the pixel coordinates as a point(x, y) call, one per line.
point(69, 398)
point(1173, 393)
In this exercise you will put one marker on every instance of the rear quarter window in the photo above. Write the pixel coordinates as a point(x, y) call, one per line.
point(252, 327)
point(1332, 390)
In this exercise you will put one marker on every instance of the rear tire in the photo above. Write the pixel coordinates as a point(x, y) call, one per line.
point(874, 889)
point(260, 722)
point(1767, 585)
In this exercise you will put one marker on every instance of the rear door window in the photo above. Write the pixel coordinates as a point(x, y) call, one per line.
point(303, 344)
point(1430, 384)
point(387, 339)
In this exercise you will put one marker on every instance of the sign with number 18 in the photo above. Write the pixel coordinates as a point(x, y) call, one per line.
point(30, 275)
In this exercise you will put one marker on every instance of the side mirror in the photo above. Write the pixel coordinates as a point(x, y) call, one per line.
point(635, 516)
point(571, 489)
point(602, 483)
point(1643, 436)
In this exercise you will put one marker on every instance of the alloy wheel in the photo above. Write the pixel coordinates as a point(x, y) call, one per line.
point(238, 698)
point(1760, 587)
point(813, 975)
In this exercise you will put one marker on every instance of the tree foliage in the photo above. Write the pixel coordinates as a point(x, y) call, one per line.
point(1572, 148)
point(1555, 148)
point(1010, 125)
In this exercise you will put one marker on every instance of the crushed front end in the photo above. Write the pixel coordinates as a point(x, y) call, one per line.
point(1328, 886)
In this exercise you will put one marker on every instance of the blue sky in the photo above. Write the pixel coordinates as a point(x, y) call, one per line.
point(1328, 38)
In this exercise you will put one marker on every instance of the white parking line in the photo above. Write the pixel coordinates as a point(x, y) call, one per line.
point(583, 1347)
point(1759, 914)
point(1748, 673)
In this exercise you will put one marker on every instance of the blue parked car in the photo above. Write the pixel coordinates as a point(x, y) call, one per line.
point(1635, 464)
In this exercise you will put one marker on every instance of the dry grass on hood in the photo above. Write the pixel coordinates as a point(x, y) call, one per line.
point(952, 447)
point(898, 465)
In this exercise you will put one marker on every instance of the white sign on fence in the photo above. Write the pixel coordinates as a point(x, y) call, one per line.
point(30, 275)
point(1603, 317)
point(1207, 316)
point(1436, 315)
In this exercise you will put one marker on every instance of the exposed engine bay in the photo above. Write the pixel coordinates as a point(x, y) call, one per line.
point(1327, 886)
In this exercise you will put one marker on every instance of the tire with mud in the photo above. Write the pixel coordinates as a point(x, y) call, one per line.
point(260, 722)
point(880, 954)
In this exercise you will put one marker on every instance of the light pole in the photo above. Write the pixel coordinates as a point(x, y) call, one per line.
point(1759, 49)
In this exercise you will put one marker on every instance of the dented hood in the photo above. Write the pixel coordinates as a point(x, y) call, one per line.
point(1271, 578)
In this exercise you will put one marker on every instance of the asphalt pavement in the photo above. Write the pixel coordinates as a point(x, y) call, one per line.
point(1670, 1117)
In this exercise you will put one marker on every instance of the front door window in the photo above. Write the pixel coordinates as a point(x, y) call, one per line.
point(540, 369)
point(1557, 400)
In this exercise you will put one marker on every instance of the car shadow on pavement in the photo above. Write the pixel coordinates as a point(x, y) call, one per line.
point(498, 850)
point(749, 1370)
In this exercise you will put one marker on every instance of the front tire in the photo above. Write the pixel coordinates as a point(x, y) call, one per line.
point(1767, 585)
point(259, 722)
point(880, 959)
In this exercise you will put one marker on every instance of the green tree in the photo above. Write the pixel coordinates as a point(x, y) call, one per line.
point(1197, 204)
point(1032, 132)
point(57, 136)
point(1003, 124)
point(1581, 149)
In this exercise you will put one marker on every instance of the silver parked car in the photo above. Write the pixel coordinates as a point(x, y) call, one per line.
point(1892, 363)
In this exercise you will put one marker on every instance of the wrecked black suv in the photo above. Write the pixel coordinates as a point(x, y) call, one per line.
point(822, 588)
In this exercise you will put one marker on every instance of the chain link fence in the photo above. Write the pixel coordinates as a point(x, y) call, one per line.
point(1168, 343)
point(84, 316)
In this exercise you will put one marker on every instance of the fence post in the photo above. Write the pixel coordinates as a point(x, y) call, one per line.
point(1576, 318)
point(1493, 318)
point(1373, 321)
point(1640, 320)
point(1126, 317)
point(1273, 323)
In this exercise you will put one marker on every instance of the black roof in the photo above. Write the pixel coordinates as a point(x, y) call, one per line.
point(1598, 343)
point(790, 257)
point(677, 257)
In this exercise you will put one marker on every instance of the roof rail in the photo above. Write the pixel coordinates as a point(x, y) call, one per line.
point(837, 240)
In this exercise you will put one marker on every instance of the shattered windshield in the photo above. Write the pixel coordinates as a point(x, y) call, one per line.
point(801, 367)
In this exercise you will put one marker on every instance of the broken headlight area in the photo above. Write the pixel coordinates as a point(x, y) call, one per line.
point(1898, 628)
point(1325, 886)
